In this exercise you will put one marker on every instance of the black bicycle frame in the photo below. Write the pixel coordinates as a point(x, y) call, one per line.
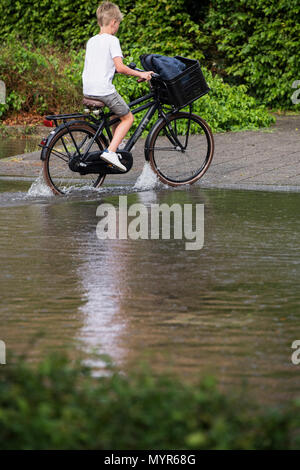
point(106, 123)
point(153, 106)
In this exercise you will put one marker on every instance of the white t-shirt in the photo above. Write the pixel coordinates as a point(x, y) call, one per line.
point(99, 67)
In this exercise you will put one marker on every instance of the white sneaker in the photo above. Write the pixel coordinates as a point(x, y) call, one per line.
point(113, 158)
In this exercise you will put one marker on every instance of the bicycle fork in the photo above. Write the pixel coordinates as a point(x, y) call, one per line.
point(173, 137)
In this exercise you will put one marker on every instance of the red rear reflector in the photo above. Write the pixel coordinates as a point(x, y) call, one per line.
point(48, 123)
point(43, 142)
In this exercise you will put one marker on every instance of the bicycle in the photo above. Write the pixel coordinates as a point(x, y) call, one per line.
point(179, 145)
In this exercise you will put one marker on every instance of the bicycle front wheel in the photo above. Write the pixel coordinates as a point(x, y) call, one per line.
point(64, 145)
point(181, 151)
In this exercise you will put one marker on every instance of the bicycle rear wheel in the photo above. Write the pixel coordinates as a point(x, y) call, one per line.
point(62, 147)
point(186, 163)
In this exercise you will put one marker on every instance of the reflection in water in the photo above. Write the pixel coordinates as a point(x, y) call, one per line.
point(100, 274)
point(231, 309)
point(10, 146)
point(106, 273)
point(103, 275)
point(39, 291)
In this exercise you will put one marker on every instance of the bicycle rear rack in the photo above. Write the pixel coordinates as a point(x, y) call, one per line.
point(65, 117)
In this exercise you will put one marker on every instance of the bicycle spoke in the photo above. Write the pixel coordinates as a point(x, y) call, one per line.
point(166, 149)
point(59, 155)
point(173, 164)
point(58, 174)
point(83, 142)
point(65, 147)
point(169, 136)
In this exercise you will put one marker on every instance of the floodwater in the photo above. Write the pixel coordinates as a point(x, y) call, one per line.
point(18, 144)
point(230, 309)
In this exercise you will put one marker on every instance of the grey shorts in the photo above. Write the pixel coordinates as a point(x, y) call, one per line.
point(114, 102)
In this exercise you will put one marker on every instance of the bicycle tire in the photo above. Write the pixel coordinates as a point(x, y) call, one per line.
point(199, 141)
point(57, 175)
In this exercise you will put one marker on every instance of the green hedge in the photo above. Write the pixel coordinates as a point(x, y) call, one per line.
point(258, 43)
point(60, 405)
point(35, 78)
point(48, 80)
point(59, 21)
point(159, 24)
point(255, 43)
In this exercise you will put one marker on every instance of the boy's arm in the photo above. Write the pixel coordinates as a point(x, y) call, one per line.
point(122, 68)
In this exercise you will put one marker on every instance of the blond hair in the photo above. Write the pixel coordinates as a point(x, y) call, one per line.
point(106, 12)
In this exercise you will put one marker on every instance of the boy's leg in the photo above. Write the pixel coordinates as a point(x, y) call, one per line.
point(120, 131)
point(114, 126)
point(121, 110)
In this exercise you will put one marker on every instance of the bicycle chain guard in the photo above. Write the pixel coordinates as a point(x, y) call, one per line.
point(94, 164)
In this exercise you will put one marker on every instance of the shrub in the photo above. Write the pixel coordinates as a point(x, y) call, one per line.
point(254, 43)
point(161, 27)
point(156, 23)
point(48, 80)
point(258, 43)
point(68, 22)
point(35, 78)
point(60, 405)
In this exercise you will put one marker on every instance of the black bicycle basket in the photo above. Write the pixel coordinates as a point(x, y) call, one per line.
point(184, 88)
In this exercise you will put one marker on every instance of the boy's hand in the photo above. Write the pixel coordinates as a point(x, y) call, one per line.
point(145, 76)
point(122, 68)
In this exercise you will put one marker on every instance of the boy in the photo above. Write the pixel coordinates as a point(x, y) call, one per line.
point(102, 59)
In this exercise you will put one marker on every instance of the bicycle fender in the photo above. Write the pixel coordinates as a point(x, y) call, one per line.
point(46, 144)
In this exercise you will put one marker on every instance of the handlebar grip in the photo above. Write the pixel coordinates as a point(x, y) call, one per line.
point(133, 66)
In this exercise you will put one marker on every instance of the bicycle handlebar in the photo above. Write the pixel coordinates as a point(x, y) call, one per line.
point(133, 66)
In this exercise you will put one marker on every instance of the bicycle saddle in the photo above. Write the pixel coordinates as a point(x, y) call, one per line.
point(92, 102)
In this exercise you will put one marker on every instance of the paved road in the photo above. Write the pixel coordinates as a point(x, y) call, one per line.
point(266, 159)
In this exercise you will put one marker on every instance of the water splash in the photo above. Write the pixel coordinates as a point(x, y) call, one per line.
point(147, 179)
point(39, 188)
